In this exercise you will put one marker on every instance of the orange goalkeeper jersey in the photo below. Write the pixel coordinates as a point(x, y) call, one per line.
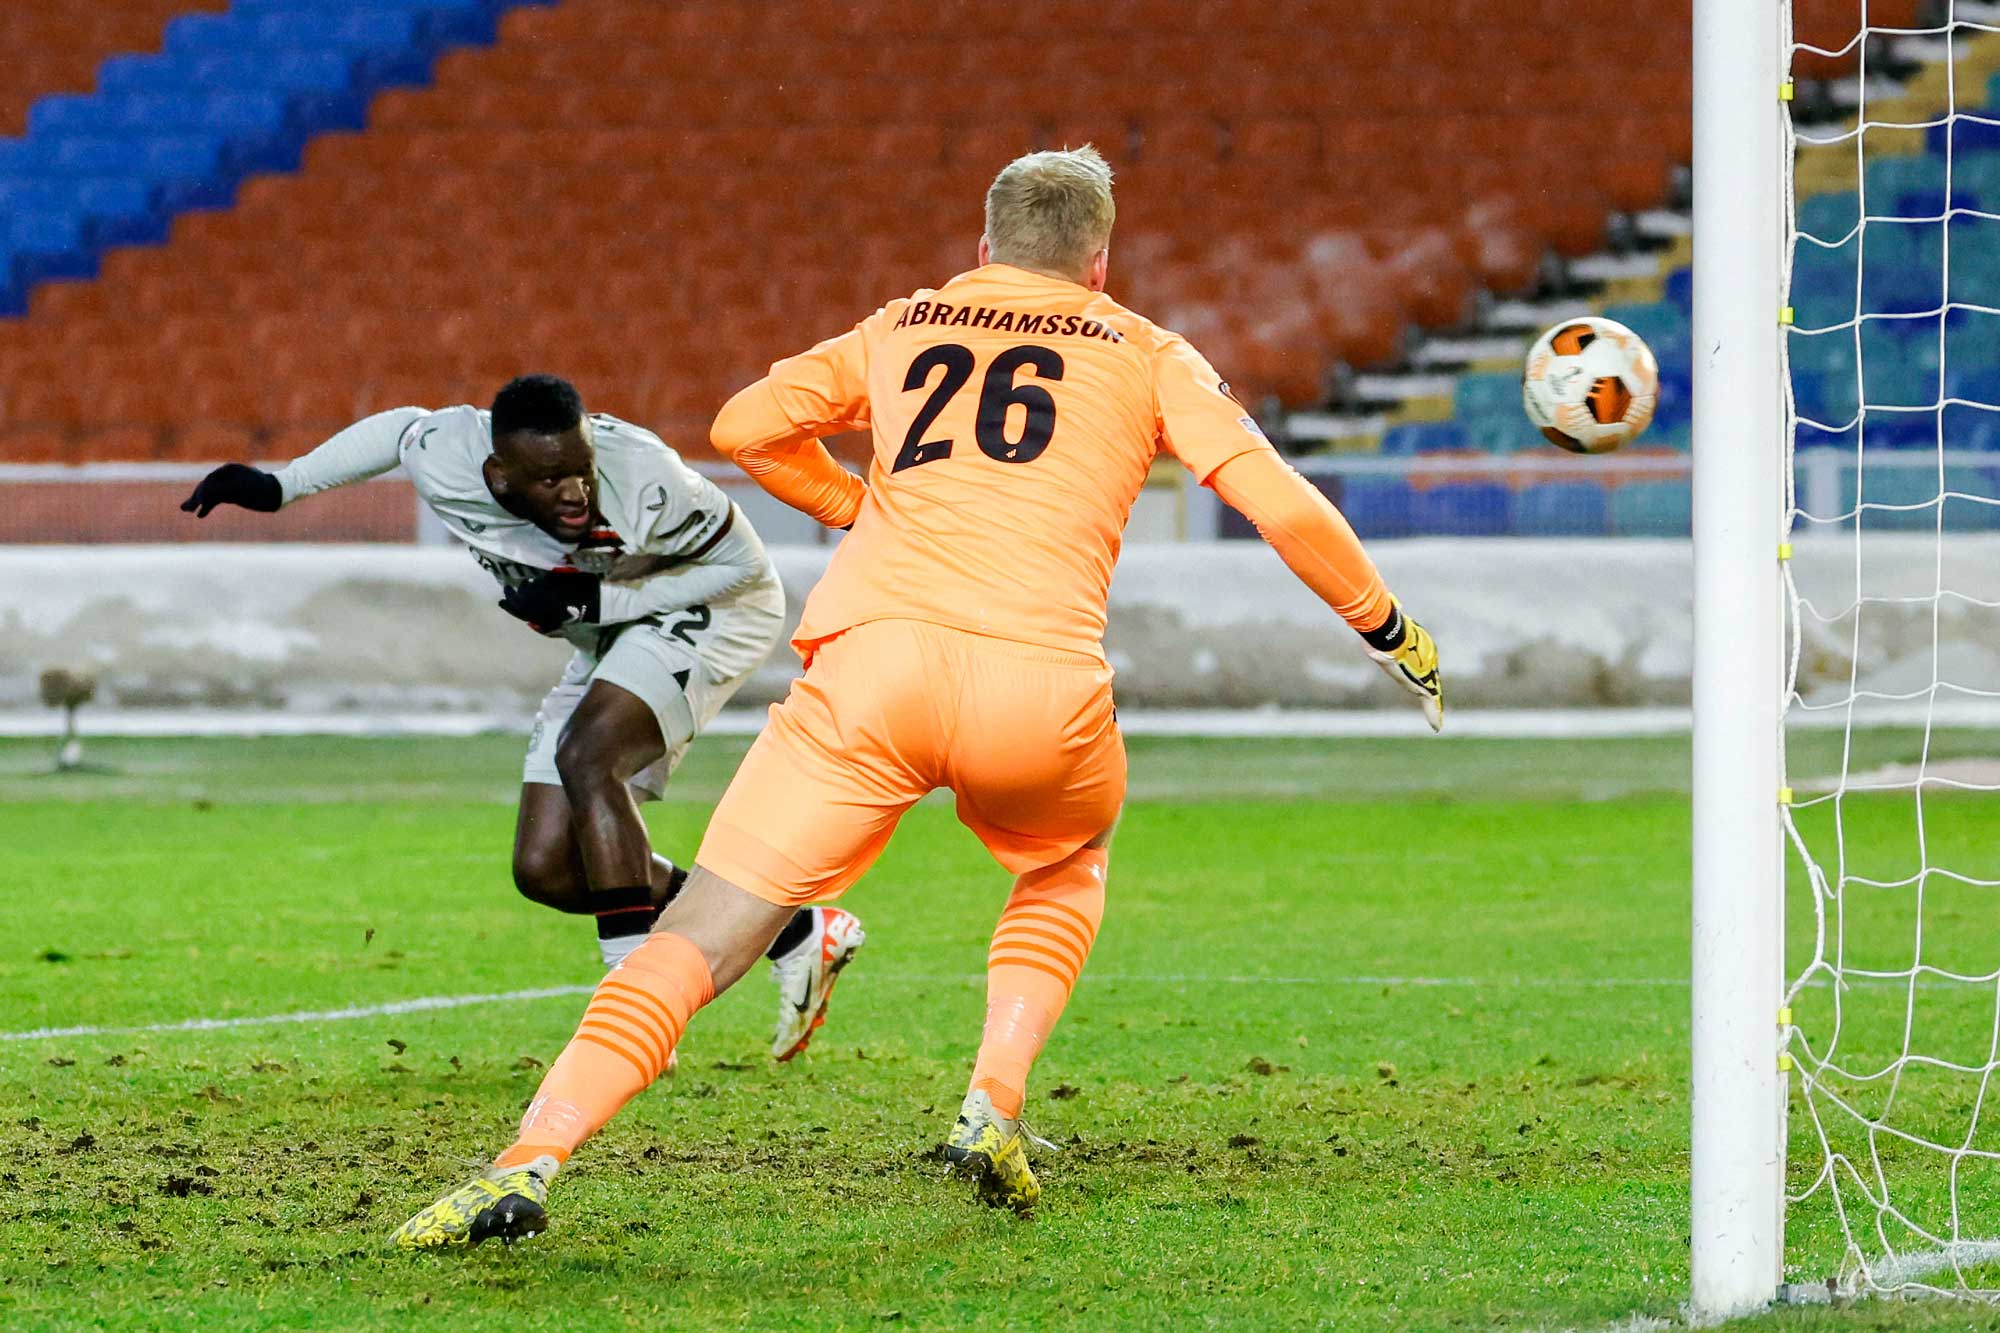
point(1015, 417)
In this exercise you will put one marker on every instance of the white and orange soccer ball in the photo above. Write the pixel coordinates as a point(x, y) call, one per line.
point(1590, 384)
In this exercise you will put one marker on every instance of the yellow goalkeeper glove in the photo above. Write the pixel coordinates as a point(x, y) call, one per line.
point(1408, 654)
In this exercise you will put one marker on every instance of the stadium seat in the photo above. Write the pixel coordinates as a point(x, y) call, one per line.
point(1288, 204)
point(1487, 394)
point(1461, 509)
point(1651, 509)
point(1561, 509)
point(1658, 322)
point(1424, 437)
point(1377, 506)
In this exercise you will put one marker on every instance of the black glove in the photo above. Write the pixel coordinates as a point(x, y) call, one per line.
point(555, 601)
point(235, 484)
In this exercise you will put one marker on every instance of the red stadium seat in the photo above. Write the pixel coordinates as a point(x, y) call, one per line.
point(659, 200)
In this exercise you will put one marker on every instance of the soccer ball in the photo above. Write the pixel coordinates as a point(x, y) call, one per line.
point(1591, 384)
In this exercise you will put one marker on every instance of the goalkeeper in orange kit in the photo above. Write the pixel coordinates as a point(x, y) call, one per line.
point(954, 641)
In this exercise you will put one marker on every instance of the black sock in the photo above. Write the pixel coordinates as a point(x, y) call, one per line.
point(1387, 636)
point(625, 915)
point(795, 933)
point(677, 878)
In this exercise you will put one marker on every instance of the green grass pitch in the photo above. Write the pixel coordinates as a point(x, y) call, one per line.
point(1378, 1035)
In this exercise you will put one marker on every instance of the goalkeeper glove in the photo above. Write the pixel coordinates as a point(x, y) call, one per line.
point(235, 484)
point(555, 601)
point(1408, 654)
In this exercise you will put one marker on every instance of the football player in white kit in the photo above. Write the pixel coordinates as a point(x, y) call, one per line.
point(599, 534)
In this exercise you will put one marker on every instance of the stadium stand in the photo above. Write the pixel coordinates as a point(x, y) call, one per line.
point(657, 200)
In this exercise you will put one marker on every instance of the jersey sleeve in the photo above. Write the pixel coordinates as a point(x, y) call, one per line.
point(733, 556)
point(1312, 537)
point(771, 428)
point(366, 449)
point(679, 511)
point(824, 390)
point(1200, 423)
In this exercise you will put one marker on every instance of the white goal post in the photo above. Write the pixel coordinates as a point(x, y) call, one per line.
point(1738, 1132)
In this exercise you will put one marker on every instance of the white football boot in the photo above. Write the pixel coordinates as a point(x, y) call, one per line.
point(805, 977)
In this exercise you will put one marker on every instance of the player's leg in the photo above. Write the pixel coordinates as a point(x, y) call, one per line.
point(706, 940)
point(809, 810)
point(685, 672)
point(611, 736)
point(1039, 769)
point(548, 867)
point(548, 863)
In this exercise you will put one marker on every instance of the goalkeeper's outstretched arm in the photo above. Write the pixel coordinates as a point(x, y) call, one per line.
point(771, 429)
point(1313, 538)
point(366, 449)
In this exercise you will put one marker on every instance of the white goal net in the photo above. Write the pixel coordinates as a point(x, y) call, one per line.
point(1892, 579)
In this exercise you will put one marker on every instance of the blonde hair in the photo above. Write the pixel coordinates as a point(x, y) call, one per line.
point(1051, 211)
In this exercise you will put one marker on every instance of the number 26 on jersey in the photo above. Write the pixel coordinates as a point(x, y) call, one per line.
point(1001, 389)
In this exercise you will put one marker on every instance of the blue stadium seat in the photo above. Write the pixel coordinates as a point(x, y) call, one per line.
point(1899, 430)
point(1503, 434)
point(121, 210)
point(1376, 506)
point(1652, 509)
point(1823, 353)
point(1975, 383)
point(1677, 437)
point(95, 155)
point(1972, 428)
point(1829, 216)
point(125, 75)
point(456, 21)
point(1979, 173)
point(1680, 289)
point(1487, 394)
point(1823, 283)
point(1899, 362)
point(1423, 437)
point(198, 34)
point(72, 114)
point(1675, 355)
point(49, 245)
point(1903, 267)
point(21, 157)
point(229, 94)
point(1933, 203)
point(1461, 509)
point(1827, 398)
point(1890, 178)
point(1561, 509)
point(1657, 322)
point(32, 194)
point(1676, 403)
point(1965, 136)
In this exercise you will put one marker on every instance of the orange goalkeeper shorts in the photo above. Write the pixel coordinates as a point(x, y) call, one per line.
point(890, 710)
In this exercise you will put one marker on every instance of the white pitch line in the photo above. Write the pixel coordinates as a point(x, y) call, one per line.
point(426, 1003)
point(419, 1005)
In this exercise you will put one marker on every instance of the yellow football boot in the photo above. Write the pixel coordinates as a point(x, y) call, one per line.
point(993, 1151)
point(503, 1204)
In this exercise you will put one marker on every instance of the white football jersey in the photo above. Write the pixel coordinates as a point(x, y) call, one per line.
point(658, 512)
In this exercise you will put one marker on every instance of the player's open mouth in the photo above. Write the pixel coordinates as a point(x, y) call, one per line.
point(573, 520)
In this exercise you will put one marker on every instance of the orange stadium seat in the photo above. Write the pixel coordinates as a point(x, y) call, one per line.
point(36, 444)
point(659, 200)
point(57, 48)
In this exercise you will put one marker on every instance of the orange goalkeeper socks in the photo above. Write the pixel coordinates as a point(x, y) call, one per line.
point(628, 1030)
point(1039, 947)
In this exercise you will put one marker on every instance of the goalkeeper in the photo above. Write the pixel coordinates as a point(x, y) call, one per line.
point(600, 535)
point(955, 641)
